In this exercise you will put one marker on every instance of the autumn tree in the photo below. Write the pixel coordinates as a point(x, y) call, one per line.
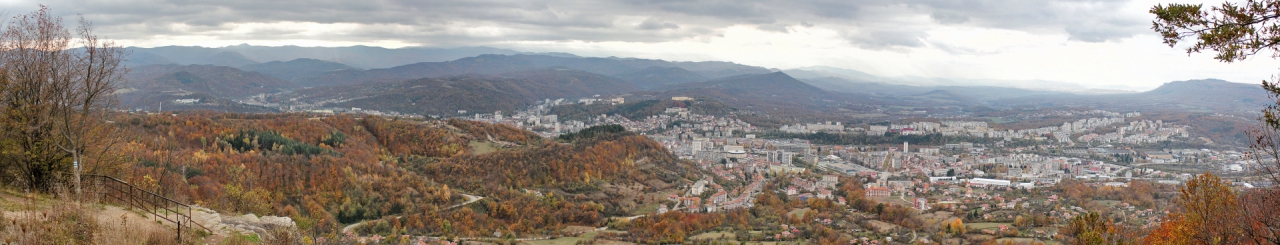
point(1207, 212)
point(1093, 229)
point(1235, 32)
point(56, 90)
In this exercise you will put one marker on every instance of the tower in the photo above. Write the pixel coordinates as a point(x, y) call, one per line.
point(905, 148)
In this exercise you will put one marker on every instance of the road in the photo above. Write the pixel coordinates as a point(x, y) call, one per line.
point(470, 199)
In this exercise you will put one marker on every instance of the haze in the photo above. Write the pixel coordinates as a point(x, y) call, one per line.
point(1097, 44)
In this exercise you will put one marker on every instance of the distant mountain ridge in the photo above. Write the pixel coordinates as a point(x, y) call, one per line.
point(757, 91)
point(657, 76)
point(863, 77)
point(495, 64)
point(1204, 95)
point(476, 93)
point(299, 68)
point(212, 81)
point(364, 57)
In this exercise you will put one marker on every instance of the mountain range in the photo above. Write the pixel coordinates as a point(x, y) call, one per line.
point(364, 57)
point(496, 63)
point(472, 92)
point(226, 78)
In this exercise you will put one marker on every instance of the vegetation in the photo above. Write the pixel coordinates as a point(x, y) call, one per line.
point(1210, 212)
point(51, 117)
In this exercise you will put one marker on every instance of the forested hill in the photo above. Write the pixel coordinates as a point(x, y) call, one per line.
point(325, 172)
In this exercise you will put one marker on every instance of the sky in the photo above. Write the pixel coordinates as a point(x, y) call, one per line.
point(1094, 43)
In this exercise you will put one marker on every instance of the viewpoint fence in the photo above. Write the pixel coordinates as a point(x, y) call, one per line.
point(119, 192)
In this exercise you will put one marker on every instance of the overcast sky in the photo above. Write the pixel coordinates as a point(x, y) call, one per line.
point(1094, 43)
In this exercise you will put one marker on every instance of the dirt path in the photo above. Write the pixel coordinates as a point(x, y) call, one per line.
point(116, 225)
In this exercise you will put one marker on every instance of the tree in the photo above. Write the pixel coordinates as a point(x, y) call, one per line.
point(1236, 32)
point(1207, 212)
point(53, 94)
point(1092, 228)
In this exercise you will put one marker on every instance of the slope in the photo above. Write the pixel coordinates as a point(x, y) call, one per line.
point(487, 93)
point(151, 85)
point(324, 172)
point(359, 56)
point(495, 64)
point(657, 76)
point(1207, 95)
point(755, 90)
point(298, 68)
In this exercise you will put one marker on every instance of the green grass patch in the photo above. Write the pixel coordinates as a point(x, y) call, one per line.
point(646, 209)
point(714, 235)
point(798, 212)
point(478, 148)
point(564, 240)
point(980, 226)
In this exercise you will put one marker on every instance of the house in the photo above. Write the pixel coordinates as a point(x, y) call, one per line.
point(877, 192)
point(720, 197)
point(692, 202)
point(921, 204)
point(829, 181)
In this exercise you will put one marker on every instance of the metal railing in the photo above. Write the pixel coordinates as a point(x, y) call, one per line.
point(119, 192)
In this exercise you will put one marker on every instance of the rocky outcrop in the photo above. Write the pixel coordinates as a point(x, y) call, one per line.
point(244, 224)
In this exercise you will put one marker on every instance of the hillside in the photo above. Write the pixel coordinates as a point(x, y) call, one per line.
point(477, 93)
point(218, 81)
point(299, 68)
point(324, 172)
point(214, 86)
point(226, 58)
point(638, 110)
point(907, 94)
point(365, 57)
point(187, 56)
point(495, 64)
point(766, 90)
point(1209, 96)
point(656, 76)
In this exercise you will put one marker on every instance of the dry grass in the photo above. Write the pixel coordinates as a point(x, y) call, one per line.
point(57, 219)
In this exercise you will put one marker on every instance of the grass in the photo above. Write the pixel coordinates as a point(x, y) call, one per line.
point(714, 235)
point(1021, 240)
point(798, 212)
point(564, 240)
point(980, 226)
point(57, 219)
point(646, 209)
point(478, 148)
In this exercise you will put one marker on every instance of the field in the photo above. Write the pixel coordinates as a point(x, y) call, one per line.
point(564, 240)
point(798, 212)
point(479, 148)
point(714, 235)
point(980, 226)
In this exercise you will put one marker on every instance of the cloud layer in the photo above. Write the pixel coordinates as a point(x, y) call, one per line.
point(1091, 42)
point(873, 24)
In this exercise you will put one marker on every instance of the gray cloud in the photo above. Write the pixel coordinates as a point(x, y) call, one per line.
point(877, 24)
point(888, 39)
point(652, 24)
point(948, 17)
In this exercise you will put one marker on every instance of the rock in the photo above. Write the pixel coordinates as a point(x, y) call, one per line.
point(244, 224)
point(277, 221)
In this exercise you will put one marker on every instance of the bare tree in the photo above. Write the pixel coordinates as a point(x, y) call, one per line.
point(81, 119)
point(56, 96)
